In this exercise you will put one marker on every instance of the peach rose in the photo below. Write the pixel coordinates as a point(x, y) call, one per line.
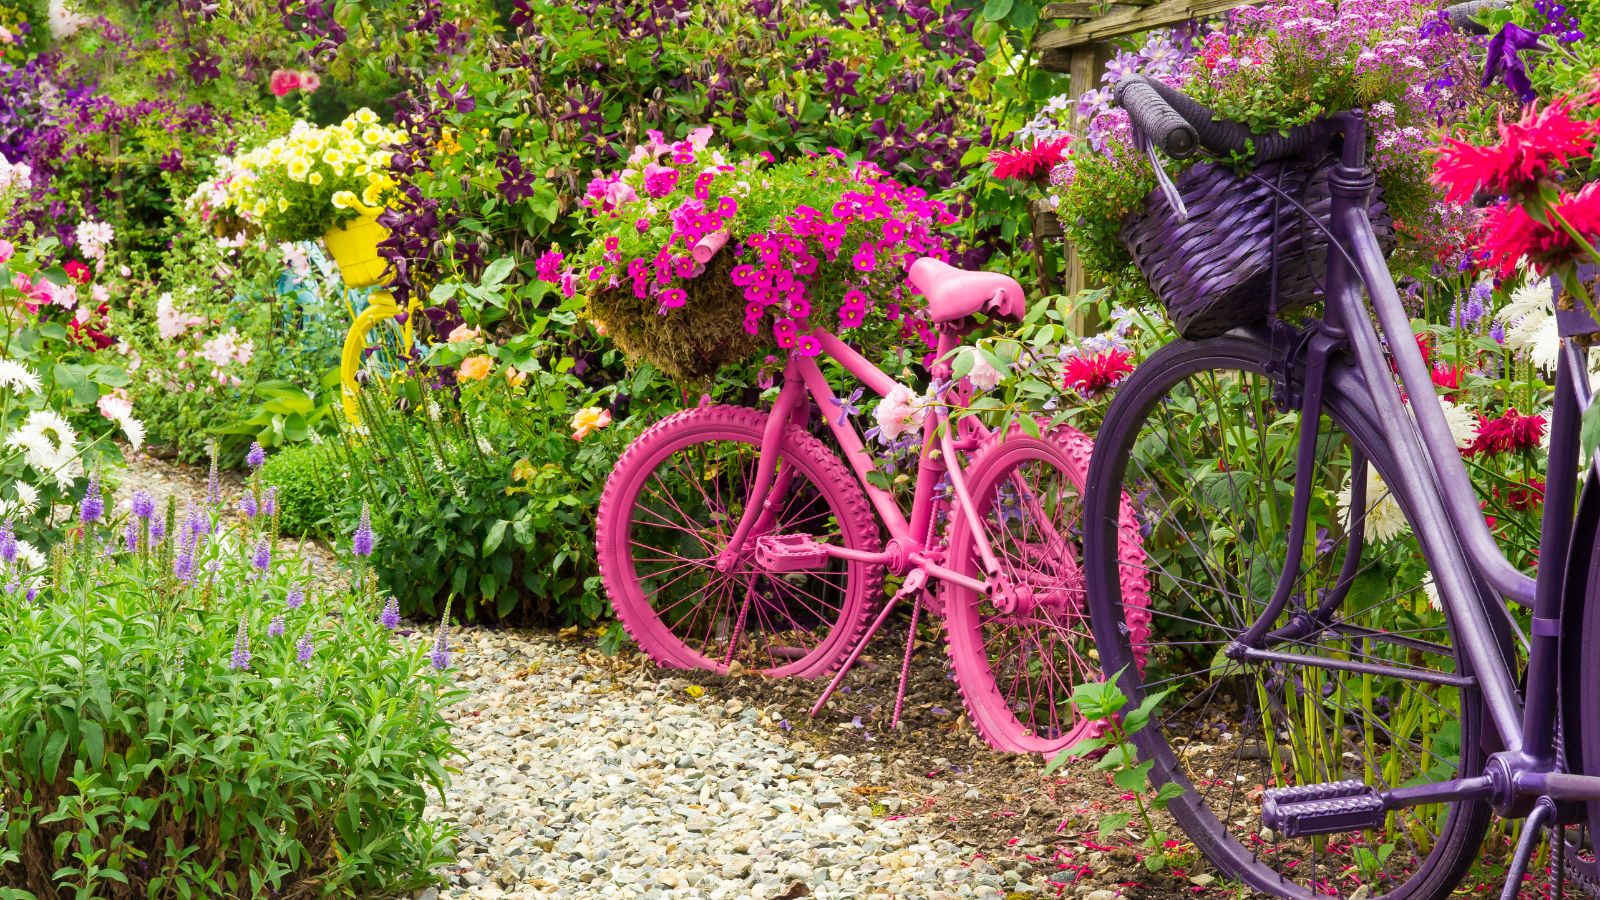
point(589, 420)
point(474, 367)
point(462, 334)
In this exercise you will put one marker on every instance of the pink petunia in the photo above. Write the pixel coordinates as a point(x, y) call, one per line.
point(283, 82)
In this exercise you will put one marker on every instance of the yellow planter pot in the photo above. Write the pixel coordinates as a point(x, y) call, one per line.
point(354, 246)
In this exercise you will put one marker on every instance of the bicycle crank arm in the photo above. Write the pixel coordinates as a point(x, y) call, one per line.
point(1340, 806)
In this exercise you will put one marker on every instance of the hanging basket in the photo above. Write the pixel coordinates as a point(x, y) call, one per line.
point(689, 343)
point(354, 246)
point(1214, 272)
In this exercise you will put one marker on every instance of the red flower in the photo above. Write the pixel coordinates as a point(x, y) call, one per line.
point(1511, 431)
point(1529, 149)
point(78, 272)
point(1026, 163)
point(1530, 495)
point(1090, 375)
point(1510, 233)
point(1448, 377)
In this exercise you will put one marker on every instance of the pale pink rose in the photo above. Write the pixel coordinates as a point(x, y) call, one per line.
point(984, 376)
point(901, 412)
point(309, 81)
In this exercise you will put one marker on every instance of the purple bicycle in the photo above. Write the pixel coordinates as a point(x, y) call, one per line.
point(1359, 678)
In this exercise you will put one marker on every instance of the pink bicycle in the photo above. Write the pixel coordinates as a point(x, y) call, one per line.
point(734, 539)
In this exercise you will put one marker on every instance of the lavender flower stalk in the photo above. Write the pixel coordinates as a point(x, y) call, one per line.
point(143, 505)
point(275, 627)
point(296, 598)
point(439, 656)
point(248, 506)
point(269, 507)
point(93, 505)
point(390, 617)
point(256, 456)
point(362, 542)
point(262, 558)
point(303, 649)
point(241, 648)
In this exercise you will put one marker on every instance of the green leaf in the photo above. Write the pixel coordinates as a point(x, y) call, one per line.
point(1135, 720)
point(995, 10)
point(1113, 823)
point(1133, 778)
point(1589, 432)
point(94, 741)
point(497, 272)
point(497, 534)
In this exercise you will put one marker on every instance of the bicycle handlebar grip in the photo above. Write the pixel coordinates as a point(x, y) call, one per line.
point(1463, 16)
point(1156, 118)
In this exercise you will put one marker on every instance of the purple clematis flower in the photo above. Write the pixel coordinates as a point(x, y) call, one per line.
point(1505, 60)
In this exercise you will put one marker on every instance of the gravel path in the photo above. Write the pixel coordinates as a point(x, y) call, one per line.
point(584, 776)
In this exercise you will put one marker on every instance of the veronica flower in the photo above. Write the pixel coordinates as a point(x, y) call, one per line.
point(296, 598)
point(275, 627)
point(440, 655)
point(93, 505)
point(390, 617)
point(143, 505)
point(262, 559)
point(270, 507)
point(130, 537)
point(158, 530)
point(8, 543)
point(214, 484)
point(256, 456)
point(361, 543)
point(241, 648)
point(303, 649)
point(248, 506)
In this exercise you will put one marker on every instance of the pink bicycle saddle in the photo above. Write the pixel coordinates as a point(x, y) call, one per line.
point(955, 294)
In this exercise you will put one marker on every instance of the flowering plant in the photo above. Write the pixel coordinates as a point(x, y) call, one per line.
point(298, 186)
point(696, 258)
point(1281, 65)
point(149, 630)
point(47, 399)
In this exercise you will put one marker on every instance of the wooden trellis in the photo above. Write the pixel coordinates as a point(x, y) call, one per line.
point(1080, 50)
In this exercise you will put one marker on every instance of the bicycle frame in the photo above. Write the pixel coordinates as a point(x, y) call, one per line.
point(1467, 565)
point(909, 538)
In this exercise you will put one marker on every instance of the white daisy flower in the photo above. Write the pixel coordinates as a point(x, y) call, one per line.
point(27, 501)
point(1530, 320)
point(18, 376)
point(1463, 424)
point(1384, 520)
point(29, 557)
point(47, 441)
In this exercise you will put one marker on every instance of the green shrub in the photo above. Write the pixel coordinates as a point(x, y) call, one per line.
point(485, 495)
point(174, 722)
point(309, 488)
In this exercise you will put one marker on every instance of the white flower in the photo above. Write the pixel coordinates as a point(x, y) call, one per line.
point(1463, 424)
point(94, 238)
point(27, 501)
point(120, 410)
point(1530, 321)
point(1432, 592)
point(29, 557)
point(900, 412)
point(18, 376)
point(983, 375)
point(64, 21)
point(47, 442)
point(1384, 520)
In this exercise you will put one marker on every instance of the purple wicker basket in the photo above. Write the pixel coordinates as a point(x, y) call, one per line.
point(1214, 272)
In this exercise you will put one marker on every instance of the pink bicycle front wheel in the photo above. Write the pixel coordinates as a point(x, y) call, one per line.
point(665, 521)
point(1017, 658)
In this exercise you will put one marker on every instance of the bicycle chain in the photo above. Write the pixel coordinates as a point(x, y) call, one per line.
point(1580, 873)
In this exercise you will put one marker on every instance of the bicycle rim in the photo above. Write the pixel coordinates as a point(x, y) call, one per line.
point(668, 513)
point(1194, 437)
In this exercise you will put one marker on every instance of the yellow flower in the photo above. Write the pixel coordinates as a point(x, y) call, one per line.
point(298, 168)
point(365, 116)
point(333, 157)
point(373, 135)
point(515, 376)
point(283, 205)
point(522, 470)
point(314, 178)
point(372, 196)
point(473, 368)
point(344, 199)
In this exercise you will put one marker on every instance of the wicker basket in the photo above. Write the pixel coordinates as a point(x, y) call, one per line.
point(1214, 272)
point(690, 343)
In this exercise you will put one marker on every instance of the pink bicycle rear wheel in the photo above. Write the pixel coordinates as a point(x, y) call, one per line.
point(666, 518)
point(1016, 660)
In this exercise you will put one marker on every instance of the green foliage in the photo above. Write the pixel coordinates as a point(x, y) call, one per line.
point(310, 488)
point(1101, 702)
point(486, 496)
point(142, 755)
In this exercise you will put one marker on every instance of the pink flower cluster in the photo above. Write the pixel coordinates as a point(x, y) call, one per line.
point(880, 226)
point(286, 81)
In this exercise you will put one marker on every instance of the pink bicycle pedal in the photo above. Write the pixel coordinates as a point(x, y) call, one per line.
point(790, 553)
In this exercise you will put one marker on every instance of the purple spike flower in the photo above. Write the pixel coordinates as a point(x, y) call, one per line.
point(256, 456)
point(8, 543)
point(214, 484)
point(440, 655)
point(130, 537)
point(275, 627)
point(269, 507)
point(93, 505)
point(297, 598)
point(158, 530)
point(362, 542)
point(144, 505)
point(248, 506)
point(390, 617)
point(241, 648)
point(262, 559)
point(303, 648)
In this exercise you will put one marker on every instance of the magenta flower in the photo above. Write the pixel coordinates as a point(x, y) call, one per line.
point(548, 266)
point(659, 180)
point(673, 298)
point(807, 345)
